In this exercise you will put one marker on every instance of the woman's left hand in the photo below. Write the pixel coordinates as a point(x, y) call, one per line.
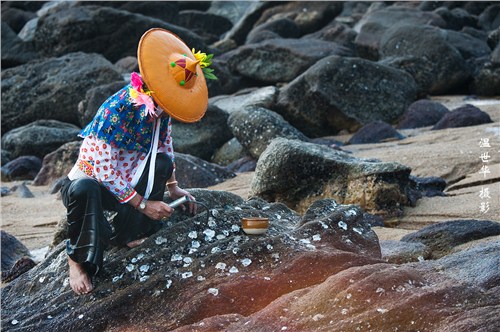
point(176, 192)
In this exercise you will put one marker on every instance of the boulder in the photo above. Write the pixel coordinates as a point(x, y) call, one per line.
point(486, 78)
point(242, 165)
point(468, 46)
point(398, 252)
point(231, 151)
point(57, 164)
point(279, 28)
point(456, 18)
point(441, 238)
point(424, 52)
point(202, 138)
point(94, 97)
point(51, 88)
point(15, 52)
point(232, 10)
point(336, 32)
point(21, 168)
point(16, 258)
point(16, 18)
point(265, 61)
point(422, 113)
point(463, 116)
point(193, 172)
point(489, 19)
point(375, 132)
point(6, 156)
point(39, 138)
point(256, 127)
point(339, 93)
point(262, 97)
point(298, 173)
point(209, 26)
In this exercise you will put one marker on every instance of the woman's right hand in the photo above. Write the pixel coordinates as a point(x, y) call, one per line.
point(158, 210)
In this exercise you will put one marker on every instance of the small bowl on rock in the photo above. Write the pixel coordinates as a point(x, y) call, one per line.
point(255, 225)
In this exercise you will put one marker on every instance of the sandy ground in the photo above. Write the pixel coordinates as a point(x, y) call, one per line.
point(33, 220)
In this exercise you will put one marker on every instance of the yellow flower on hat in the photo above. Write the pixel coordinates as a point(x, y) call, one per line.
point(205, 62)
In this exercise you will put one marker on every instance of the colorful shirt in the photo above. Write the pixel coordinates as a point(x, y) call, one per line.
point(118, 137)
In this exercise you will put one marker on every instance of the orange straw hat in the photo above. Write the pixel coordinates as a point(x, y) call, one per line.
point(173, 74)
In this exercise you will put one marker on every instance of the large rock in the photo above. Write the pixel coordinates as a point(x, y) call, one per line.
point(14, 51)
point(256, 127)
point(463, 116)
point(262, 97)
point(280, 28)
point(193, 172)
point(375, 132)
point(265, 61)
point(206, 25)
point(108, 31)
point(202, 138)
point(424, 52)
point(231, 151)
point(422, 113)
point(375, 23)
point(336, 32)
point(21, 168)
point(299, 173)
point(39, 138)
point(57, 164)
point(51, 88)
point(344, 93)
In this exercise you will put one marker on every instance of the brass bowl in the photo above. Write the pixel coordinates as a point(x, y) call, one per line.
point(255, 225)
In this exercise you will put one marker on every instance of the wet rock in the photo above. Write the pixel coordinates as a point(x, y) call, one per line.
point(398, 252)
point(21, 168)
point(438, 69)
point(422, 113)
point(256, 127)
point(39, 138)
point(299, 173)
point(264, 61)
point(58, 163)
point(375, 132)
point(193, 172)
point(321, 107)
point(263, 97)
point(463, 116)
point(202, 138)
point(94, 97)
point(443, 237)
point(53, 85)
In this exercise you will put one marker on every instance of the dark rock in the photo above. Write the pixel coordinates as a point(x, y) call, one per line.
point(6, 156)
point(284, 28)
point(456, 18)
point(494, 38)
point(490, 18)
point(193, 172)
point(422, 113)
point(230, 152)
point(16, 18)
point(127, 65)
point(245, 164)
point(94, 97)
point(375, 24)
point(12, 250)
point(397, 252)
point(262, 97)
point(375, 132)
point(429, 186)
point(23, 191)
point(14, 51)
point(256, 127)
point(227, 82)
point(92, 29)
point(163, 10)
point(327, 97)
point(486, 78)
point(51, 88)
point(463, 116)
point(232, 10)
point(441, 238)
point(206, 25)
point(299, 173)
point(265, 61)
point(437, 69)
point(21, 168)
point(336, 32)
point(57, 164)
point(467, 45)
point(39, 138)
point(202, 138)
point(23, 265)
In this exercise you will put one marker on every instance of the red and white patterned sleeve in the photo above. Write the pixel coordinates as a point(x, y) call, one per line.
point(167, 145)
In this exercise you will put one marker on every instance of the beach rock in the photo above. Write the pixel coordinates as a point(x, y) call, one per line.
point(468, 46)
point(264, 97)
point(256, 127)
point(232, 10)
point(39, 138)
point(264, 61)
point(193, 172)
point(486, 78)
point(336, 32)
point(375, 24)
point(202, 138)
point(299, 173)
point(51, 88)
point(456, 18)
point(439, 69)
point(58, 163)
point(94, 97)
point(16, 18)
point(12, 250)
point(80, 29)
point(428, 186)
point(14, 51)
point(127, 65)
point(231, 151)
point(6, 156)
point(22, 191)
point(279, 28)
point(422, 113)
point(166, 11)
point(321, 107)
point(375, 132)
point(463, 116)
point(21, 168)
point(489, 19)
point(244, 164)
point(398, 252)
point(197, 269)
point(441, 238)
point(209, 26)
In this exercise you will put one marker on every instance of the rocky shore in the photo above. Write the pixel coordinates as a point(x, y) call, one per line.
point(367, 132)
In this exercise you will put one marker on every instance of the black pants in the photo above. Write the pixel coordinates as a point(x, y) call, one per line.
point(90, 233)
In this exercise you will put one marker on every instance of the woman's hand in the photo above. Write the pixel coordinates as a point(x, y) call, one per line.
point(175, 192)
point(158, 210)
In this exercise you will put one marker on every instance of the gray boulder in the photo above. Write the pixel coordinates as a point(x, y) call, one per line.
point(298, 173)
point(39, 138)
point(58, 163)
point(424, 52)
point(232, 10)
point(51, 88)
point(422, 113)
point(340, 93)
point(231, 151)
point(489, 19)
point(280, 28)
point(398, 252)
point(262, 97)
point(463, 116)
point(456, 18)
point(209, 26)
point(256, 127)
point(375, 132)
point(281, 60)
point(15, 51)
point(193, 172)
point(202, 138)
point(336, 32)
point(21, 168)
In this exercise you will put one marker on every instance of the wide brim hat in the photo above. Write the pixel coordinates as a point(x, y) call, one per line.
point(170, 70)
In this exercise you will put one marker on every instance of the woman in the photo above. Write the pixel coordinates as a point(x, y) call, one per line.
point(126, 160)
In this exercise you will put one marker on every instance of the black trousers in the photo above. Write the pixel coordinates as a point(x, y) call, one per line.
point(90, 233)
